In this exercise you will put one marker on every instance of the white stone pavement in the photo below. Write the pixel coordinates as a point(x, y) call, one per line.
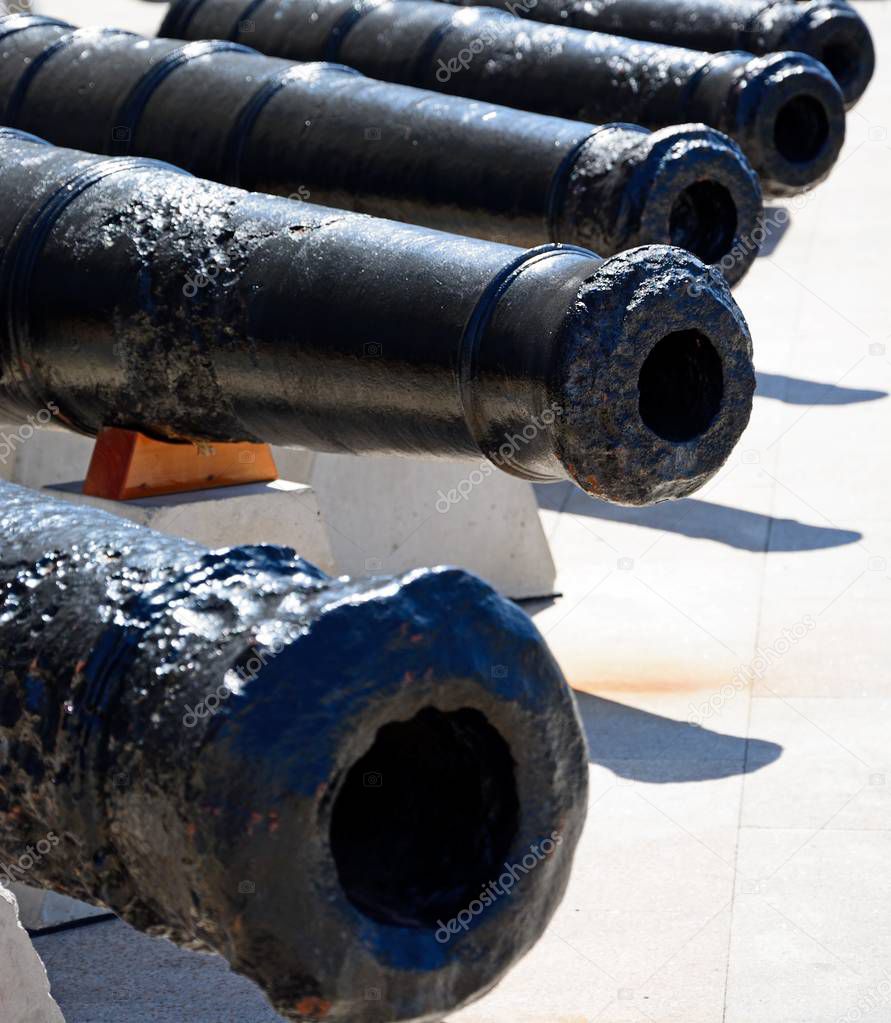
point(736, 871)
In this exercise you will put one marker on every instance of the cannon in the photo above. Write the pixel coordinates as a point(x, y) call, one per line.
point(365, 795)
point(785, 110)
point(136, 296)
point(831, 31)
point(326, 133)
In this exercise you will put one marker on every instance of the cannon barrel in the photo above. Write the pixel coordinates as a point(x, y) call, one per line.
point(831, 31)
point(325, 133)
point(785, 110)
point(137, 296)
point(325, 781)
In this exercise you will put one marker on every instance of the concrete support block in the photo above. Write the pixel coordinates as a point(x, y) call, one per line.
point(44, 456)
point(40, 909)
point(135, 15)
point(279, 513)
point(391, 514)
point(24, 989)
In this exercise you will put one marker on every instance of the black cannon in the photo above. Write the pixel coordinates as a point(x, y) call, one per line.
point(136, 296)
point(785, 110)
point(829, 30)
point(365, 795)
point(326, 133)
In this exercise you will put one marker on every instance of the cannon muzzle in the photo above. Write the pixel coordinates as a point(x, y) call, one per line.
point(365, 795)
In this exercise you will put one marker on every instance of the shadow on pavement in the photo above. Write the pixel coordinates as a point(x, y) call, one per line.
point(110, 973)
point(646, 747)
point(702, 520)
point(794, 391)
point(777, 220)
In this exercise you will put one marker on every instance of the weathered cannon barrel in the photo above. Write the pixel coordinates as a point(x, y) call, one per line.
point(320, 779)
point(136, 296)
point(322, 132)
point(829, 30)
point(785, 110)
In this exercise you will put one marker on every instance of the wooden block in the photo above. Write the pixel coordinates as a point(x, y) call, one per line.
point(126, 465)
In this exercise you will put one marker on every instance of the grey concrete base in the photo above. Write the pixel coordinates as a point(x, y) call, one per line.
point(279, 513)
point(391, 514)
point(24, 988)
point(135, 15)
point(39, 909)
point(43, 457)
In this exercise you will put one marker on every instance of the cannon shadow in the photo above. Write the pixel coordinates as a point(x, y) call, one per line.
point(641, 746)
point(144, 978)
point(794, 391)
point(775, 228)
point(702, 520)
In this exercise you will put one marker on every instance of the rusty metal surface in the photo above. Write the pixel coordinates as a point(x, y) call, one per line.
point(309, 776)
point(323, 133)
point(829, 30)
point(784, 110)
point(136, 296)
